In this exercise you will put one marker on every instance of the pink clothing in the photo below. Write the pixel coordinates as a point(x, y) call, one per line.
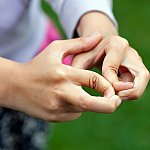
point(52, 35)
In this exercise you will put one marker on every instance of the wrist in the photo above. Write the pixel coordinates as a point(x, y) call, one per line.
point(10, 76)
point(93, 22)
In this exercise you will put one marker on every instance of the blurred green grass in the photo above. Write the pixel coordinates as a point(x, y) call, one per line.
point(129, 127)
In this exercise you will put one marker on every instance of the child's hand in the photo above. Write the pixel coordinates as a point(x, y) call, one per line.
point(119, 62)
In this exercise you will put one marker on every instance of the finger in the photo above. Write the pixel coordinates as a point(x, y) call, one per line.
point(87, 63)
point(120, 86)
point(74, 109)
point(90, 103)
point(115, 52)
point(92, 57)
point(140, 83)
point(126, 81)
point(75, 46)
point(140, 73)
point(90, 79)
point(69, 108)
point(63, 117)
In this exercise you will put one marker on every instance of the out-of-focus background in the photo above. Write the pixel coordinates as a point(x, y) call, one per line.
point(129, 127)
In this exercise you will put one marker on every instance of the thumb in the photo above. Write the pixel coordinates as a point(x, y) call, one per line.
point(75, 46)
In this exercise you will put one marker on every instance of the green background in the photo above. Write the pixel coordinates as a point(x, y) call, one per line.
point(129, 127)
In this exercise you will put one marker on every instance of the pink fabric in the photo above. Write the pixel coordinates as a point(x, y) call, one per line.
point(52, 35)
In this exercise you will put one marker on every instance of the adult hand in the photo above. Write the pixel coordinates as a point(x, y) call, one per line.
point(119, 61)
point(121, 66)
point(47, 89)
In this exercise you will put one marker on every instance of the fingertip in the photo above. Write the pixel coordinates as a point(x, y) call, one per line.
point(120, 86)
point(127, 94)
point(117, 99)
point(109, 93)
point(114, 98)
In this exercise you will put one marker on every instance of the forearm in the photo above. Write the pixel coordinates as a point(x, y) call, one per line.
point(95, 21)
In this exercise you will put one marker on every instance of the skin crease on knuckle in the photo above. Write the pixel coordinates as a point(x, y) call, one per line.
point(94, 80)
point(117, 42)
point(113, 68)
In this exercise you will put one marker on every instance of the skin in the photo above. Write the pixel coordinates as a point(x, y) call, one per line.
point(47, 89)
point(120, 63)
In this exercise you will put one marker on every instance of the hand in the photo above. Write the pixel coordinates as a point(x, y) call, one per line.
point(119, 62)
point(47, 89)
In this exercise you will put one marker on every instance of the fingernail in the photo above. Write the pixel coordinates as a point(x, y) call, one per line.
point(125, 98)
point(119, 101)
point(130, 83)
point(95, 34)
point(123, 83)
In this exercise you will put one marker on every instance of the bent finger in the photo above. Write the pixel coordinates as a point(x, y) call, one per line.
point(75, 46)
point(115, 52)
point(92, 80)
point(90, 103)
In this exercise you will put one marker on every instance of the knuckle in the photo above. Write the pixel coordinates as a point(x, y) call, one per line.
point(55, 43)
point(117, 42)
point(114, 68)
point(94, 81)
point(145, 73)
point(60, 73)
point(111, 67)
point(53, 107)
point(124, 42)
point(105, 88)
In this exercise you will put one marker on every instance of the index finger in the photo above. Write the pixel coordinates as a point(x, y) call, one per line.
point(115, 52)
point(83, 100)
